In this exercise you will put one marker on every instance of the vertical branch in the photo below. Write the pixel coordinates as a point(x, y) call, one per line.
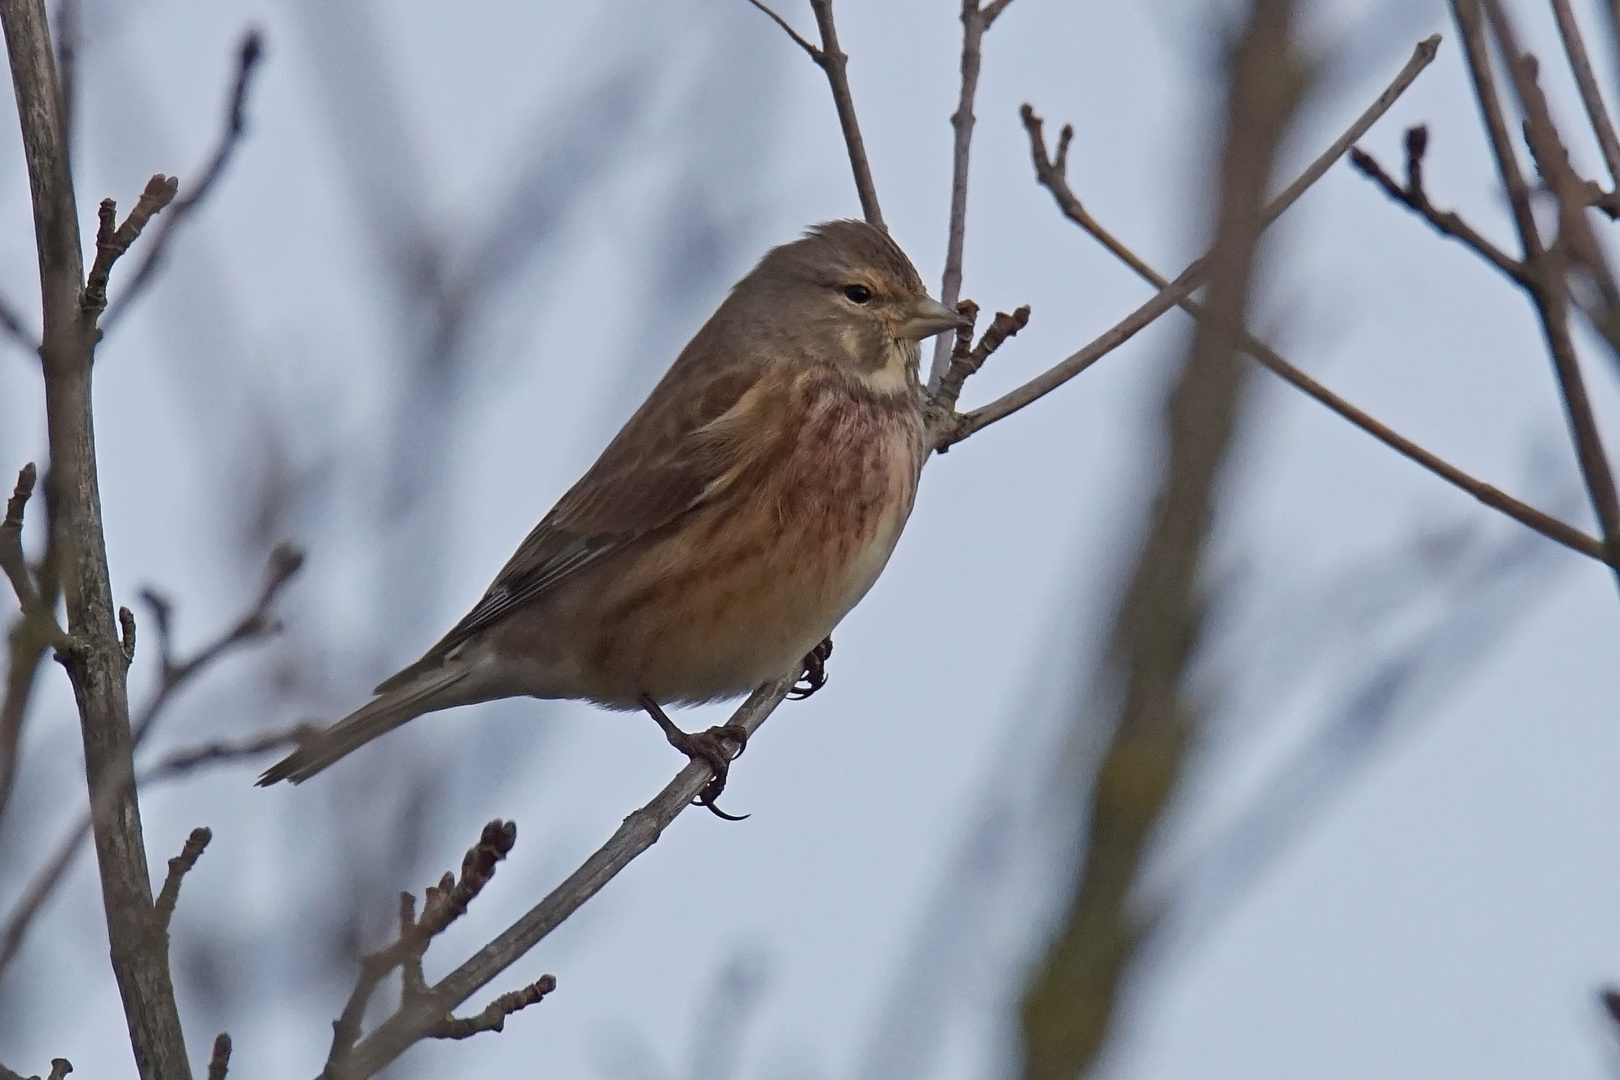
point(975, 21)
point(1591, 96)
point(1070, 1004)
point(1549, 269)
point(97, 664)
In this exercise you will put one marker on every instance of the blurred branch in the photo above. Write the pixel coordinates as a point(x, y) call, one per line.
point(420, 1012)
point(961, 425)
point(441, 905)
point(68, 30)
point(11, 323)
point(1569, 30)
point(1051, 173)
point(113, 239)
point(248, 55)
point(975, 21)
point(1069, 1006)
point(1548, 284)
point(257, 623)
point(26, 644)
point(830, 59)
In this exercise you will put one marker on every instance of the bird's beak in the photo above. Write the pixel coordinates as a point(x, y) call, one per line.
point(925, 317)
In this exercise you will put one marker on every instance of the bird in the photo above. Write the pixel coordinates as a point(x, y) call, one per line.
point(742, 511)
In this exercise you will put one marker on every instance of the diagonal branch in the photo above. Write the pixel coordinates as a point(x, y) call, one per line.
point(831, 60)
point(1051, 174)
point(961, 425)
point(1569, 30)
point(248, 55)
point(419, 1014)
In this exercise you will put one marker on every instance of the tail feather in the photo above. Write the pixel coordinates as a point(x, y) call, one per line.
point(422, 694)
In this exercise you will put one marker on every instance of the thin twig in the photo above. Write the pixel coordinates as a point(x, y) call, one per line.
point(248, 55)
point(113, 239)
point(11, 323)
point(493, 1017)
point(60, 1067)
point(1591, 96)
point(15, 565)
point(1050, 173)
point(219, 1062)
point(831, 60)
point(25, 660)
point(962, 425)
point(179, 867)
point(1414, 197)
point(975, 21)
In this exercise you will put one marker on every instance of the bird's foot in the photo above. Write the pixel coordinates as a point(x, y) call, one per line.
point(814, 676)
point(717, 748)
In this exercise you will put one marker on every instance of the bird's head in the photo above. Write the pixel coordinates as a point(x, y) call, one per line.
point(845, 295)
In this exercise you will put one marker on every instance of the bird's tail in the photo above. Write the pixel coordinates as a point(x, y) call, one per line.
point(427, 692)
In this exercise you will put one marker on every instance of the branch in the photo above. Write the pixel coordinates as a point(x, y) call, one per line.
point(179, 867)
point(975, 21)
point(38, 618)
point(219, 1062)
point(1591, 97)
point(830, 59)
point(441, 905)
point(248, 55)
point(1445, 222)
point(1051, 174)
point(112, 239)
point(1069, 1007)
point(420, 1013)
point(180, 763)
point(1548, 287)
point(966, 358)
point(959, 426)
point(283, 563)
point(11, 322)
point(97, 671)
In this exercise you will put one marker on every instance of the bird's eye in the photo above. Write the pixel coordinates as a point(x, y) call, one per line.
point(858, 294)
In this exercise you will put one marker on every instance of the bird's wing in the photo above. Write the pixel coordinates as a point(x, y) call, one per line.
point(664, 462)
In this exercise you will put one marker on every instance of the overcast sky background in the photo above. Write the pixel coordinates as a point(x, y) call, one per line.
point(1450, 910)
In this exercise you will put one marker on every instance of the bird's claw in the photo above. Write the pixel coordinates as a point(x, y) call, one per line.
point(717, 748)
point(814, 676)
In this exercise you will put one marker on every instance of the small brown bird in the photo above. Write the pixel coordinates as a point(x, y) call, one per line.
point(742, 511)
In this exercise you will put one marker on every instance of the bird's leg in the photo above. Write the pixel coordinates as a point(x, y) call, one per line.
point(717, 747)
point(814, 676)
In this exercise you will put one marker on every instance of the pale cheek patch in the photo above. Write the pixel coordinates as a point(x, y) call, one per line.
point(894, 375)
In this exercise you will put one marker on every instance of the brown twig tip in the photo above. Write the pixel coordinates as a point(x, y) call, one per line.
point(126, 634)
point(60, 1067)
point(493, 1018)
point(219, 1062)
point(179, 867)
point(27, 476)
point(967, 361)
point(112, 242)
point(1417, 144)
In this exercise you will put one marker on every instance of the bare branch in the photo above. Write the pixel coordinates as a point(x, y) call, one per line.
point(833, 61)
point(418, 1015)
point(1051, 175)
point(179, 867)
point(967, 361)
point(248, 55)
point(975, 21)
point(112, 239)
point(1548, 287)
point(257, 623)
point(11, 323)
point(60, 1067)
point(181, 762)
point(810, 50)
point(493, 1018)
point(960, 426)
point(219, 1062)
point(41, 619)
point(1591, 97)
point(1413, 196)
